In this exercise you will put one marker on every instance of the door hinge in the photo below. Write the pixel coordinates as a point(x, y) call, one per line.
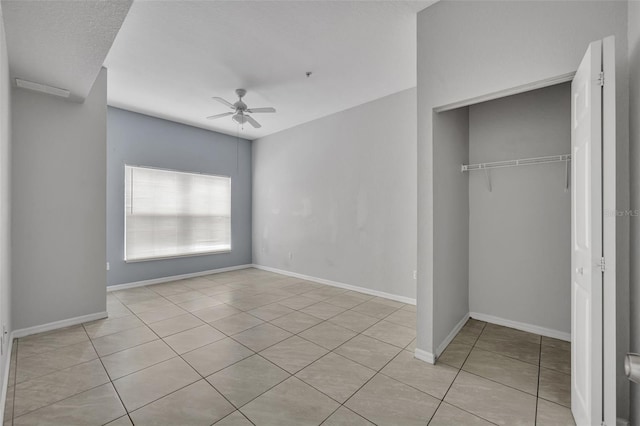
point(602, 264)
point(601, 78)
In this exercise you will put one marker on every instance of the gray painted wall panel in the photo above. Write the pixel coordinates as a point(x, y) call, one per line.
point(5, 195)
point(451, 211)
point(339, 194)
point(141, 140)
point(634, 142)
point(520, 233)
point(58, 206)
point(528, 41)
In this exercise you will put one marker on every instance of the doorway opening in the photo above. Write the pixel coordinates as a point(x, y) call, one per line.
point(486, 245)
point(503, 238)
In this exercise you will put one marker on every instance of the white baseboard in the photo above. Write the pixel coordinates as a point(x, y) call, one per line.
point(23, 332)
point(175, 277)
point(364, 290)
point(451, 335)
point(425, 356)
point(548, 332)
point(5, 375)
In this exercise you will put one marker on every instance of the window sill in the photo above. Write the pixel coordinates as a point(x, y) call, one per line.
point(177, 256)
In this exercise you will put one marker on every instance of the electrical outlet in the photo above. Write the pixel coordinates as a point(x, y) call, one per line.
point(415, 275)
point(108, 266)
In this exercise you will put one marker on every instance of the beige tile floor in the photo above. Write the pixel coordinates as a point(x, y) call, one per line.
point(252, 347)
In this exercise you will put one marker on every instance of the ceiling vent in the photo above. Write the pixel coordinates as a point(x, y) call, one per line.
point(50, 90)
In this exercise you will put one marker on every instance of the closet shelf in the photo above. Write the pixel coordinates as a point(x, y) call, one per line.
point(565, 158)
point(516, 163)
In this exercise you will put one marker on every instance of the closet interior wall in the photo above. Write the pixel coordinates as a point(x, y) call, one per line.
point(451, 212)
point(503, 239)
point(520, 231)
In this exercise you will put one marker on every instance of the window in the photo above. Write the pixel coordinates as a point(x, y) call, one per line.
point(170, 214)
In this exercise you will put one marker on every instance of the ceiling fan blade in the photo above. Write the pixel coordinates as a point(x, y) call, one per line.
point(224, 114)
point(225, 102)
point(253, 122)
point(267, 109)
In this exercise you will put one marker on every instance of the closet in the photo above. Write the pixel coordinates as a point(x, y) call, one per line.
point(502, 209)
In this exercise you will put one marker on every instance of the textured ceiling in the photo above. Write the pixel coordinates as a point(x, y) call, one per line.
point(61, 43)
point(170, 58)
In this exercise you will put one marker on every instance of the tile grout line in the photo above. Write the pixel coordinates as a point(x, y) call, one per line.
point(294, 374)
point(493, 380)
point(329, 351)
point(148, 325)
point(230, 414)
point(149, 366)
point(204, 377)
point(454, 379)
point(363, 385)
point(176, 390)
point(77, 363)
point(324, 300)
point(236, 409)
point(535, 419)
point(15, 383)
point(67, 397)
point(396, 309)
point(178, 355)
point(302, 337)
point(110, 380)
point(319, 323)
point(516, 389)
point(502, 353)
point(47, 405)
point(377, 372)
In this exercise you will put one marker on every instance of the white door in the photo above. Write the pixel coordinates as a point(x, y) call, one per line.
point(591, 167)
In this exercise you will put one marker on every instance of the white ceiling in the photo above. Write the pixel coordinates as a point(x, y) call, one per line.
point(61, 43)
point(170, 58)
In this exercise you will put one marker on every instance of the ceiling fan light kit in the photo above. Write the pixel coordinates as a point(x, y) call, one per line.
point(240, 119)
point(241, 110)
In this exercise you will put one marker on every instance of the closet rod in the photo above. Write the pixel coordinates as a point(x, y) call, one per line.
point(516, 163)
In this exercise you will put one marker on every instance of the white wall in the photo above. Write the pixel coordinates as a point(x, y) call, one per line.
point(471, 49)
point(339, 194)
point(520, 233)
point(451, 211)
point(634, 142)
point(58, 206)
point(5, 209)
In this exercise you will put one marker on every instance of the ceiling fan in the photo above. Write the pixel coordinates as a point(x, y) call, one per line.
point(241, 111)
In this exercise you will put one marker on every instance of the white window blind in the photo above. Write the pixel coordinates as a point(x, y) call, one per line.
point(169, 213)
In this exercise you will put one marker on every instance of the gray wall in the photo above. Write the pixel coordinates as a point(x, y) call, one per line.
point(5, 196)
point(58, 206)
point(339, 194)
point(141, 140)
point(468, 49)
point(451, 211)
point(520, 234)
point(634, 142)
